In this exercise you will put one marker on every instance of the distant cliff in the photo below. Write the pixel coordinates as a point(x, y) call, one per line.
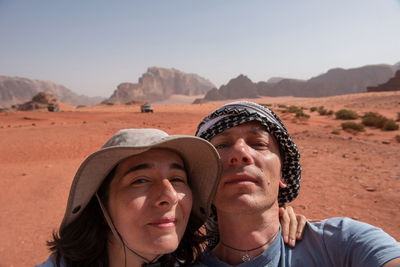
point(334, 82)
point(159, 84)
point(392, 85)
point(17, 90)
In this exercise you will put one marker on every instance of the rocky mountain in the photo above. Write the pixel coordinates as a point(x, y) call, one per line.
point(17, 90)
point(392, 85)
point(159, 84)
point(336, 81)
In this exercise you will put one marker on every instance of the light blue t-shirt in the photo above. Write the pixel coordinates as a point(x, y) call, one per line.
point(333, 242)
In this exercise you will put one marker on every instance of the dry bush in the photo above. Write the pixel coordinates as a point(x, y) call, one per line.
point(390, 125)
point(301, 114)
point(335, 131)
point(353, 126)
point(346, 114)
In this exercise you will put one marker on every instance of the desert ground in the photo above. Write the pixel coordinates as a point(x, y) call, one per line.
point(344, 174)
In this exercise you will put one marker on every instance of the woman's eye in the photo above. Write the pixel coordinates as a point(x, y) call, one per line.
point(178, 180)
point(140, 181)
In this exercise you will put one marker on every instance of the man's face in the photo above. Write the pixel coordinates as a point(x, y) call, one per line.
point(251, 164)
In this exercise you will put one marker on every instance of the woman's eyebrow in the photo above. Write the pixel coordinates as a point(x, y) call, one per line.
point(177, 166)
point(139, 167)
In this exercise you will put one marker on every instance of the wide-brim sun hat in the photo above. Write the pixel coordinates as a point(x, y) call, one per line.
point(201, 161)
point(239, 112)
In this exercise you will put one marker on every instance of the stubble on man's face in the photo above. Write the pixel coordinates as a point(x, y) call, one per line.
point(251, 169)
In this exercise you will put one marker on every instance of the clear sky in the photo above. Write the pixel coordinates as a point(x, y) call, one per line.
point(91, 46)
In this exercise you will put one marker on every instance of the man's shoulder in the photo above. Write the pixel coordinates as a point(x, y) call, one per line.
point(343, 227)
point(344, 240)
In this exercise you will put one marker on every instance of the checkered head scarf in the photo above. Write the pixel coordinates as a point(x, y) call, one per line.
point(239, 112)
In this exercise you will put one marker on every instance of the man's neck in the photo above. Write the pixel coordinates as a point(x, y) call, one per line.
point(246, 231)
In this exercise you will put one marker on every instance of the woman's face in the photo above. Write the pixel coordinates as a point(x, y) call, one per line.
point(150, 201)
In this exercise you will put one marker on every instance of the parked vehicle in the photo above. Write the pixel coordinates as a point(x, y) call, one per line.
point(146, 108)
point(53, 107)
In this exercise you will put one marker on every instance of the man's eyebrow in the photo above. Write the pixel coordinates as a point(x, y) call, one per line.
point(139, 167)
point(259, 131)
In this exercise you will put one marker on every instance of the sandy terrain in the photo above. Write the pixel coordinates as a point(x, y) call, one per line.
point(343, 175)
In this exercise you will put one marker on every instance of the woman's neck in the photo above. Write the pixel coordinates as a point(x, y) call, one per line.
point(120, 257)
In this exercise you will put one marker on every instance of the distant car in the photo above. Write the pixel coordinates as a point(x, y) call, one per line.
point(146, 108)
point(53, 107)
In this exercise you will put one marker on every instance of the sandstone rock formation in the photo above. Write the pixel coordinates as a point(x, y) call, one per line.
point(158, 84)
point(334, 82)
point(17, 90)
point(392, 85)
point(40, 101)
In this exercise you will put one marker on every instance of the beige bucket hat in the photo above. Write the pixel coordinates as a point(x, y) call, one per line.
point(201, 161)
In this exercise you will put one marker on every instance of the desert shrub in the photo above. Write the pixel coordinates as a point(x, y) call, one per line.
point(330, 112)
point(312, 109)
point(373, 119)
point(301, 114)
point(398, 116)
point(294, 109)
point(397, 137)
point(346, 114)
point(353, 126)
point(282, 106)
point(390, 125)
point(322, 111)
point(335, 131)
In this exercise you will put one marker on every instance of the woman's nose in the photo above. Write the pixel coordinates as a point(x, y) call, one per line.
point(167, 195)
point(240, 153)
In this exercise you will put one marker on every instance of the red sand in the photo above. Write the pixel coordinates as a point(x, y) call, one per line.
point(343, 175)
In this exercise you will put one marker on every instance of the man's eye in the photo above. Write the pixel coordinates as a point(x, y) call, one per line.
point(260, 144)
point(219, 146)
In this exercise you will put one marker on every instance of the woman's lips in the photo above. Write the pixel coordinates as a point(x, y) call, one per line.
point(164, 223)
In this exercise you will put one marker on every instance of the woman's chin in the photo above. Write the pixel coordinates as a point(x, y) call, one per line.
point(166, 245)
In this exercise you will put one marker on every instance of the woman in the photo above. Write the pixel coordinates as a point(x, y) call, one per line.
point(130, 202)
point(138, 201)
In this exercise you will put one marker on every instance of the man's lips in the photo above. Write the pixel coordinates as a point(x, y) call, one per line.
point(237, 179)
point(164, 222)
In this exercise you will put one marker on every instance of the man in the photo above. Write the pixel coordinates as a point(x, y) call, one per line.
point(261, 172)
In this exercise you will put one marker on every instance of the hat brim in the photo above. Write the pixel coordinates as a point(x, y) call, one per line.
point(201, 161)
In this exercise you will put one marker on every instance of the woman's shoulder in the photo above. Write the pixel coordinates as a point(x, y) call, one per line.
point(50, 262)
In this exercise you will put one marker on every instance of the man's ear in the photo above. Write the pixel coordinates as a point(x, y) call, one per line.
point(282, 183)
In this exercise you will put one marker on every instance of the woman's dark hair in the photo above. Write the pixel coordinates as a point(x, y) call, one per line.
point(84, 241)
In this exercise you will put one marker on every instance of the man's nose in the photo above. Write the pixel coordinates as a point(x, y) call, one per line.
point(240, 153)
point(166, 194)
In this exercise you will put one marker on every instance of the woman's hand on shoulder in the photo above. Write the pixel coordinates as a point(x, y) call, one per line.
point(292, 225)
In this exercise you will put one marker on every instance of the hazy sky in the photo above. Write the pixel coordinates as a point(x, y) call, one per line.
point(91, 46)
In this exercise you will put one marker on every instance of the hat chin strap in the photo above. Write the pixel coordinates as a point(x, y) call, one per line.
point(117, 235)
